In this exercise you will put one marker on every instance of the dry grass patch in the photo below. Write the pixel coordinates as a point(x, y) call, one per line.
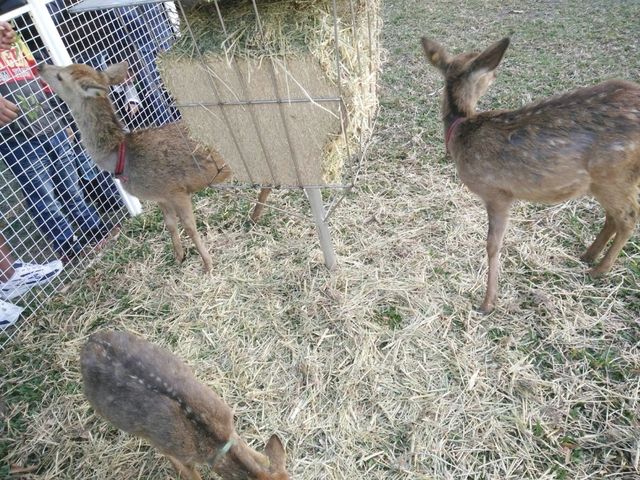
point(381, 369)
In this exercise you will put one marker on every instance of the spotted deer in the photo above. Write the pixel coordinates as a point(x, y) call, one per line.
point(145, 390)
point(583, 142)
point(161, 164)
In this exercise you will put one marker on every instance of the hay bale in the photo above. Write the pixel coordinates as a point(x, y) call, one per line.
point(266, 93)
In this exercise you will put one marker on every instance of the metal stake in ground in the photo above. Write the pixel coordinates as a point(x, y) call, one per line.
point(317, 209)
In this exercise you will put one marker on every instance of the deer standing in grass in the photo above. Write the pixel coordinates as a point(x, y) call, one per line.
point(583, 142)
point(160, 164)
point(147, 391)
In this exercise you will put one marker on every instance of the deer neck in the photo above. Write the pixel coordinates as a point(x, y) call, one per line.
point(454, 111)
point(454, 108)
point(101, 131)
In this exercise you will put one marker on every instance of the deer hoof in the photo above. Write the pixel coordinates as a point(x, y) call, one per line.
point(596, 272)
point(256, 215)
point(586, 258)
point(485, 308)
point(207, 264)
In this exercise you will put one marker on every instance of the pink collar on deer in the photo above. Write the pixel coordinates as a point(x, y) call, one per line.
point(122, 152)
point(451, 130)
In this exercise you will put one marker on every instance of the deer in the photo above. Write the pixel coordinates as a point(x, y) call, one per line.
point(160, 164)
point(583, 142)
point(147, 391)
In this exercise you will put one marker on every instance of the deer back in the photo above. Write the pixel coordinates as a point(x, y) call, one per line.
point(147, 391)
point(178, 163)
point(554, 149)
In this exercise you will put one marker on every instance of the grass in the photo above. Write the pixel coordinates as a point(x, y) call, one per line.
point(381, 369)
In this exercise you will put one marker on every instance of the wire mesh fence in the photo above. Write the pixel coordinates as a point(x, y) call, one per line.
point(57, 208)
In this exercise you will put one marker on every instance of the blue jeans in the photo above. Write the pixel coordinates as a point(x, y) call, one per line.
point(156, 100)
point(46, 170)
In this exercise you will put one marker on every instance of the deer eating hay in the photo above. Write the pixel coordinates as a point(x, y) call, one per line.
point(147, 391)
point(583, 142)
point(160, 164)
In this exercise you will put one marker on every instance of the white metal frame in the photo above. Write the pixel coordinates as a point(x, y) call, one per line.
point(320, 219)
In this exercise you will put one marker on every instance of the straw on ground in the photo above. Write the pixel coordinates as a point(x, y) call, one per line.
point(381, 369)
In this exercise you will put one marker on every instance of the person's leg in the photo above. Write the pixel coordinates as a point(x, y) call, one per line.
point(93, 230)
point(157, 108)
point(104, 193)
point(6, 260)
point(63, 172)
point(86, 169)
point(97, 186)
point(28, 161)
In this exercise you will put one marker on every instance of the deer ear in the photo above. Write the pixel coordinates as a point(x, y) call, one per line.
point(93, 90)
point(276, 454)
point(491, 57)
point(436, 54)
point(117, 73)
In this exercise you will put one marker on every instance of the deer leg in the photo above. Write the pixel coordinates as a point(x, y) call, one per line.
point(625, 223)
point(185, 213)
point(601, 240)
point(171, 222)
point(262, 198)
point(498, 212)
point(186, 472)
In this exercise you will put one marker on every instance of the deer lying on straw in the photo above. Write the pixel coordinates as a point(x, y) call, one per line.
point(147, 391)
point(160, 164)
point(585, 141)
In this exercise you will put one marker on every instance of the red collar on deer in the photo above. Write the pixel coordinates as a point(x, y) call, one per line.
point(122, 152)
point(451, 130)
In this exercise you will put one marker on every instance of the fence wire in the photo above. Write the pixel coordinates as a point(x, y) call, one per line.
point(56, 207)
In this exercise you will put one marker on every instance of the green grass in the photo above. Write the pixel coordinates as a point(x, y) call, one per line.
point(390, 317)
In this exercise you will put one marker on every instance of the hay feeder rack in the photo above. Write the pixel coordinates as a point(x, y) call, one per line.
point(287, 97)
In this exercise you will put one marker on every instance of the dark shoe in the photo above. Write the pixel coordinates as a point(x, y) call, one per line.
point(104, 196)
point(70, 250)
point(97, 237)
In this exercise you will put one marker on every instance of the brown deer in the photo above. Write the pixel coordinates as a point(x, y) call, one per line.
point(160, 164)
point(147, 391)
point(583, 142)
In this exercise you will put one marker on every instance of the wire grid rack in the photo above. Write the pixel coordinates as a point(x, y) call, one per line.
point(43, 167)
point(242, 98)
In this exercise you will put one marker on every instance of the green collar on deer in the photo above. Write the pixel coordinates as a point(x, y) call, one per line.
point(223, 451)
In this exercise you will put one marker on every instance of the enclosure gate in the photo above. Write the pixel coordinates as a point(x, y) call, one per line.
point(39, 29)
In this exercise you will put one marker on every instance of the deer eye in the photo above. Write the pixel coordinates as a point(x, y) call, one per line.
point(59, 77)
